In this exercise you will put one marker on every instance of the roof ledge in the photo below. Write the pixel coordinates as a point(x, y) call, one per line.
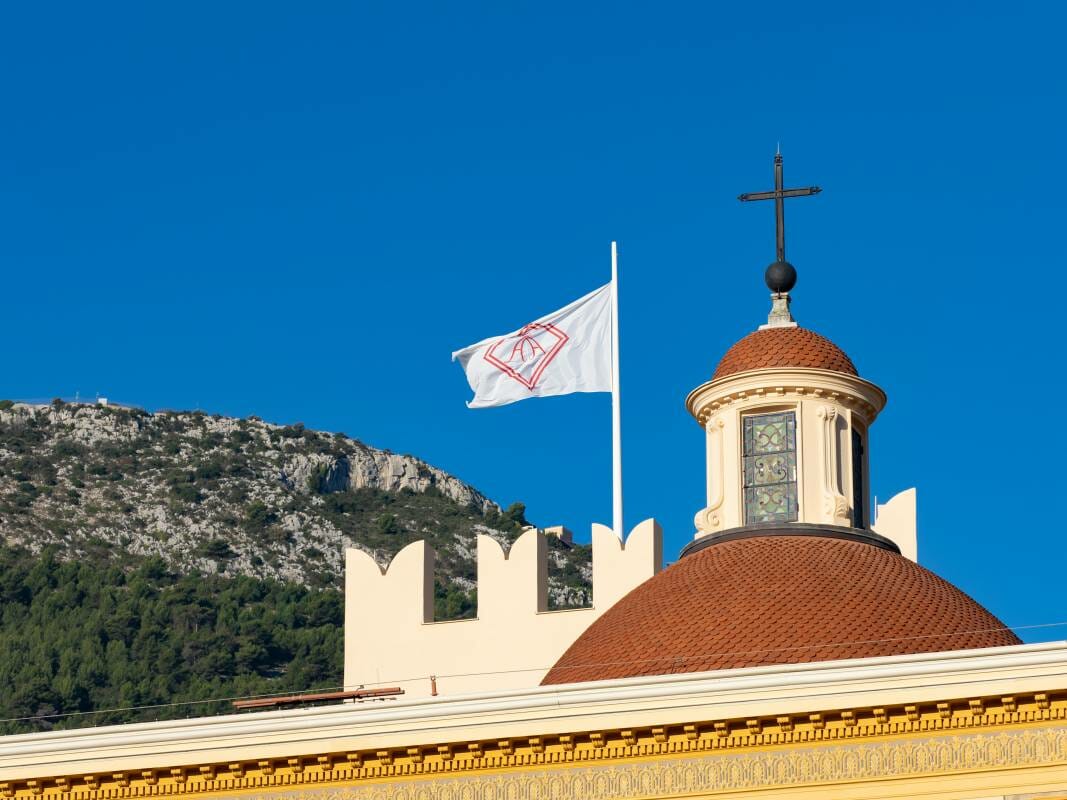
point(864, 535)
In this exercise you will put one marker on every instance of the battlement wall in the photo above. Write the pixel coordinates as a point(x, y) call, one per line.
point(897, 521)
point(391, 638)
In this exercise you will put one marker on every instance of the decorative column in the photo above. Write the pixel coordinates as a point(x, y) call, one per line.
point(710, 519)
point(835, 506)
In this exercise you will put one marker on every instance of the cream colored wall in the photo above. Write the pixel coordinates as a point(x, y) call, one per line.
point(897, 522)
point(827, 406)
point(391, 638)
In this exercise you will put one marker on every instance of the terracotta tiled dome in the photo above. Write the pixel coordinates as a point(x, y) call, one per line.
point(778, 599)
point(784, 347)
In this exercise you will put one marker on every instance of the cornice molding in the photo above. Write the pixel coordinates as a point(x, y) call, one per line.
point(786, 384)
point(971, 733)
point(544, 712)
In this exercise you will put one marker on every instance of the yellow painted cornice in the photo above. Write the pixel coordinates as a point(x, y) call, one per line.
point(959, 717)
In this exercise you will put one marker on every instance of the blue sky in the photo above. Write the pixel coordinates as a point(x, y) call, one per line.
point(299, 210)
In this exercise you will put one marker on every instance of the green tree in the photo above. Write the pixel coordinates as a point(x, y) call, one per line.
point(217, 549)
point(516, 514)
point(387, 525)
point(258, 517)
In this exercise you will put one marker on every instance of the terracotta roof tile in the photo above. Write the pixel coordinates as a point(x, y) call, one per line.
point(784, 347)
point(778, 600)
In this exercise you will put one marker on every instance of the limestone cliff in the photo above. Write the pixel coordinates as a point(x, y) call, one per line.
point(238, 496)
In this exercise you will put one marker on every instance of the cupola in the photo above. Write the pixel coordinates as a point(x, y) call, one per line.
point(785, 566)
point(786, 417)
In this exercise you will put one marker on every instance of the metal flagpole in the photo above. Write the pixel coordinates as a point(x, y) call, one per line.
point(616, 413)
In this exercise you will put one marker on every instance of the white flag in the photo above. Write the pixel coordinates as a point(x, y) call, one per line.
point(566, 351)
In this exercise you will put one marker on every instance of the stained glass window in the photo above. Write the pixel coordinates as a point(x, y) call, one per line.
point(770, 462)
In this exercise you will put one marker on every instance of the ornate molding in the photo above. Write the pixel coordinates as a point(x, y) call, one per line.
point(846, 744)
point(786, 385)
point(784, 393)
point(672, 777)
point(709, 520)
point(835, 504)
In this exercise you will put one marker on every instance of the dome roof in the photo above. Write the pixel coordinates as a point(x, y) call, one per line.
point(784, 347)
point(778, 599)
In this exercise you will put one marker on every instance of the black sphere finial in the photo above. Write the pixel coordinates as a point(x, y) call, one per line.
point(781, 276)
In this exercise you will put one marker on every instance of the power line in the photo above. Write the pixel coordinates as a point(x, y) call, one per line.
point(176, 704)
point(633, 662)
point(702, 656)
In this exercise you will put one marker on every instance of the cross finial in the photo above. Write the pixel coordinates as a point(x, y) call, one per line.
point(778, 196)
point(780, 276)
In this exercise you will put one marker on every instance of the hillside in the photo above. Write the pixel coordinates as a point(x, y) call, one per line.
point(83, 642)
point(151, 559)
point(232, 497)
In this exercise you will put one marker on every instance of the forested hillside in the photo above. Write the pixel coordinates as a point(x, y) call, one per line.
point(79, 636)
point(153, 559)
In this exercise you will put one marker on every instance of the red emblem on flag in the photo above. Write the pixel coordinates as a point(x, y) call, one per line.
point(525, 355)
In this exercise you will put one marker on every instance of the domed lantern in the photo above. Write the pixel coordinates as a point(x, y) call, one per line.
point(786, 418)
point(785, 567)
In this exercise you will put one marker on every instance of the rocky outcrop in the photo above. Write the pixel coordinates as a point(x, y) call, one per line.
point(170, 484)
point(315, 473)
point(383, 470)
point(365, 467)
point(239, 497)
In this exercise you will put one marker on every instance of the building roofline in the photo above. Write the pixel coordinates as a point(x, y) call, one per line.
point(547, 710)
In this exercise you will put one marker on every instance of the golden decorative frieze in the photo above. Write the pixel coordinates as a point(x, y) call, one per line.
point(728, 772)
point(859, 741)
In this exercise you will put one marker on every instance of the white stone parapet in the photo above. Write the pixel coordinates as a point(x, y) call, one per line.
point(391, 637)
point(897, 521)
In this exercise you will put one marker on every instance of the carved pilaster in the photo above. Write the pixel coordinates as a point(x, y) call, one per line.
point(710, 519)
point(835, 504)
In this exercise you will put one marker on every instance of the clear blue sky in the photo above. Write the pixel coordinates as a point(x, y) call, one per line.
point(299, 210)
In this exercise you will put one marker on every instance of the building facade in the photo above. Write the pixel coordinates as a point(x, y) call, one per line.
point(796, 649)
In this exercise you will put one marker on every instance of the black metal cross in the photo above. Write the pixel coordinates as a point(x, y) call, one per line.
point(778, 196)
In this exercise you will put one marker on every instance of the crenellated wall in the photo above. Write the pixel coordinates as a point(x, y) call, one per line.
point(897, 521)
point(392, 639)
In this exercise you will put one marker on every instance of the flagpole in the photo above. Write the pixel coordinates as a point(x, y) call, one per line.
point(616, 411)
